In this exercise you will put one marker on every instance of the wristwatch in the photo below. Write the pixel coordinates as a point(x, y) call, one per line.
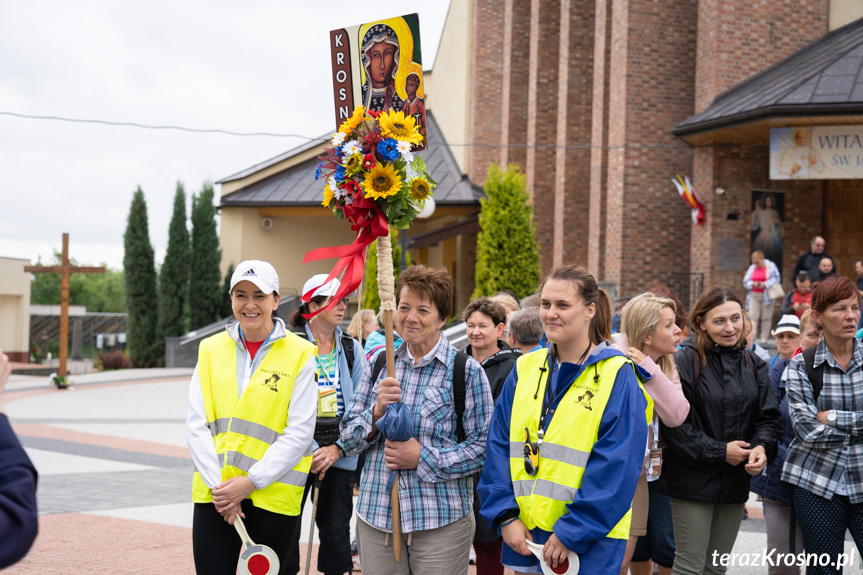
point(341, 451)
point(831, 417)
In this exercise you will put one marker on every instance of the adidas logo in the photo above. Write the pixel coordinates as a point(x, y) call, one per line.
point(250, 272)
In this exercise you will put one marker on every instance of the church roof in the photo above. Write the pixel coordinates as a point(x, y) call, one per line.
point(296, 186)
point(822, 79)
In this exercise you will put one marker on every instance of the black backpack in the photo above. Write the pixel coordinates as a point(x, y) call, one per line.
point(815, 374)
point(458, 386)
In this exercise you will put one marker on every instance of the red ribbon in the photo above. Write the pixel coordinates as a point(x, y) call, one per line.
point(370, 223)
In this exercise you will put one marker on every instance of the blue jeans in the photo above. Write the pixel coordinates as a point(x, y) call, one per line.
point(658, 544)
point(333, 519)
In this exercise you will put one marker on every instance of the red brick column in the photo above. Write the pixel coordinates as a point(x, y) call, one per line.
point(542, 121)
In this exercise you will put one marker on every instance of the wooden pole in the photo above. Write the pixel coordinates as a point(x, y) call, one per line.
point(386, 289)
point(394, 494)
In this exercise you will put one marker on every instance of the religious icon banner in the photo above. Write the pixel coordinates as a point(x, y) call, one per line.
point(378, 65)
point(816, 153)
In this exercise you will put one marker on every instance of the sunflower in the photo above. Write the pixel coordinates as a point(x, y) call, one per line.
point(354, 163)
point(420, 189)
point(397, 125)
point(382, 181)
point(354, 121)
point(328, 197)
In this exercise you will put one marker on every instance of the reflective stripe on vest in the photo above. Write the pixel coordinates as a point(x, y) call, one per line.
point(243, 428)
point(567, 442)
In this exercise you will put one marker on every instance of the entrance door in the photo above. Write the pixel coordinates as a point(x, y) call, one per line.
point(843, 224)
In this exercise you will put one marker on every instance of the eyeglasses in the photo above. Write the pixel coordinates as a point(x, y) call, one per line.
point(531, 454)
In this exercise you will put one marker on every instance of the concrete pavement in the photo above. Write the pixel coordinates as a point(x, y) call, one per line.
point(115, 476)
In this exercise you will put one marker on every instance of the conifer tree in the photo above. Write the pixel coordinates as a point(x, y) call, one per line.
point(507, 252)
point(205, 280)
point(371, 297)
point(145, 350)
point(226, 310)
point(174, 275)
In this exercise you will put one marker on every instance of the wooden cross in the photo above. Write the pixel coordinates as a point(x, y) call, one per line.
point(64, 269)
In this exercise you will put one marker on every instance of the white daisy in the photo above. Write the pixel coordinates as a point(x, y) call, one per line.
point(352, 147)
point(339, 138)
point(404, 149)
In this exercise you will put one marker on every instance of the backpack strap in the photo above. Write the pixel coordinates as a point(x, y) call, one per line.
point(348, 347)
point(458, 387)
point(815, 374)
point(749, 360)
point(380, 362)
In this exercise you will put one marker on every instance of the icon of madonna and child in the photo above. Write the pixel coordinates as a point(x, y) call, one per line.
point(392, 68)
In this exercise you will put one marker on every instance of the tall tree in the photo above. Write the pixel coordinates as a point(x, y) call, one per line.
point(205, 279)
point(145, 350)
point(174, 275)
point(507, 252)
point(226, 310)
point(371, 297)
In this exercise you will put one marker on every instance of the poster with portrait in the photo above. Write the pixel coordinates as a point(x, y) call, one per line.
point(767, 224)
point(378, 65)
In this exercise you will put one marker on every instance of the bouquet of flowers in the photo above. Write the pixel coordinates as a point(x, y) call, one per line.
point(374, 181)
point(371, 159)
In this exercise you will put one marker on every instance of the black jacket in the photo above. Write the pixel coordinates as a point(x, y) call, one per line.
point(728, 402)
point(18, 513)
point(498, 365)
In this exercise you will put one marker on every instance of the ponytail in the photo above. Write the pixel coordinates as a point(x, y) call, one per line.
point(600, 325)
point(297, 320)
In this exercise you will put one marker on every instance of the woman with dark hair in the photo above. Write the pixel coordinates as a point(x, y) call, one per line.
point(729, 434)
point(486, 320)
point(251, 417)
point(825, 399)
point(339, 363)
point(579, 411)
point(436, 464)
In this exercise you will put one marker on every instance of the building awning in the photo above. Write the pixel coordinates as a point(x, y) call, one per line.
point(820, 84)
point(296, 186)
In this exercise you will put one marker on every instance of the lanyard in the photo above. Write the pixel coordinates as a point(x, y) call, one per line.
point(546, 401)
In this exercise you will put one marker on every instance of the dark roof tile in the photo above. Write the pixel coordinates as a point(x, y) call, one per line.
point(825, 71)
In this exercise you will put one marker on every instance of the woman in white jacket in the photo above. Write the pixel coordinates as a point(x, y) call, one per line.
point(253, 400)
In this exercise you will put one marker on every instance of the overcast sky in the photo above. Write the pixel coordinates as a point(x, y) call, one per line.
point(261, 66)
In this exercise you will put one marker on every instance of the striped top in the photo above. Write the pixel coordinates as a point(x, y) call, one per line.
point(328, 376)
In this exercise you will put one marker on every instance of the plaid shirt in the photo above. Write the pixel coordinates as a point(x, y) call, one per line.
point(439, 491)
point(819, 453)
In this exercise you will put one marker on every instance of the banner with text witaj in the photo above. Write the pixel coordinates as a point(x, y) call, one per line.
point(816, 153)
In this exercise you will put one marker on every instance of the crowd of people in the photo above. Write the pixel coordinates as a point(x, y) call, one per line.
point(547, 436)
point(548, 439)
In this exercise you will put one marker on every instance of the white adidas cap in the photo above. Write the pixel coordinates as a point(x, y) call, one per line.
point(260, 273)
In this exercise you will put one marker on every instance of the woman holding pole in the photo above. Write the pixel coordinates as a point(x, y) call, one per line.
point(435, 465)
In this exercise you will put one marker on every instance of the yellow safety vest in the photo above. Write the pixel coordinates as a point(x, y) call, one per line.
point(243, 428)
point(568, 439)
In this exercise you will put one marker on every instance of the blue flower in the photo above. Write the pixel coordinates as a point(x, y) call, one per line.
point(318, 171)
point(340, 173)
point(389, 149)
